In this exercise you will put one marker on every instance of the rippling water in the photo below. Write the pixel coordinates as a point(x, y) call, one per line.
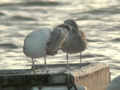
point(99, 19)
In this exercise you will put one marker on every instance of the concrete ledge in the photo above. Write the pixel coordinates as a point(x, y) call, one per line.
point(95, 76)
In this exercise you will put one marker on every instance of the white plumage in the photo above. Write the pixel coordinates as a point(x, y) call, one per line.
point(36, 42)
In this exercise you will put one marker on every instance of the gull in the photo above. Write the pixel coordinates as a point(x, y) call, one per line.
point(76, 41)
point(35, 45)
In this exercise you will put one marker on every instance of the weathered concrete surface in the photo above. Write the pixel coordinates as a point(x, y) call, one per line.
point(95, 76)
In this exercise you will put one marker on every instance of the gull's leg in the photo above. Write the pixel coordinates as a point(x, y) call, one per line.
point(67, 57)
point(80, 57)
point(45, 63)
point(33, 66)
point(45, 60)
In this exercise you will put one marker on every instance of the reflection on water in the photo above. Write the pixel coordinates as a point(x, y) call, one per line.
point(100, 19)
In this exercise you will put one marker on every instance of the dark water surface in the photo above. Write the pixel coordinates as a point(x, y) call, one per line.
point(99, 19)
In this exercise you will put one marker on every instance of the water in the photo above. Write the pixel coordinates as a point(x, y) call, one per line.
point(99, 19)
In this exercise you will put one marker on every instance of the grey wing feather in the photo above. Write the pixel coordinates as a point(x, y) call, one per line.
point(57, 38)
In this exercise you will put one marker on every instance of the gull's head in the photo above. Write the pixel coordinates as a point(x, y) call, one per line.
point(71, 23)
point(64, 26)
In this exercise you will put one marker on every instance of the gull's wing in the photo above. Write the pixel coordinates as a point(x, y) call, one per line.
point(58, 36)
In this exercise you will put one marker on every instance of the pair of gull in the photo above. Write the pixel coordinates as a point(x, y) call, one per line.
point(66, 37)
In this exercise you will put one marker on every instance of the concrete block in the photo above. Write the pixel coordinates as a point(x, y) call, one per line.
point(94, 76)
